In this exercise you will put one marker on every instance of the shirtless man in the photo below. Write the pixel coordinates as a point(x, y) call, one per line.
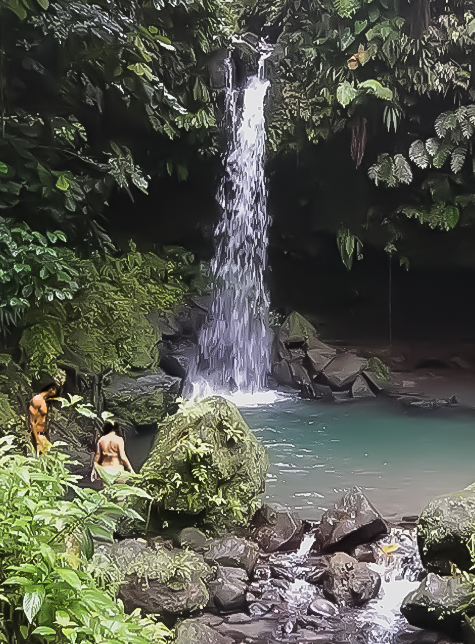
point(38, 415)
point(110, 452)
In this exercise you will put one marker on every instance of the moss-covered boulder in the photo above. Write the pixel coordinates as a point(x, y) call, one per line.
point(444, 529)
point(143, 400)
point(170, 583)
point(206, 462)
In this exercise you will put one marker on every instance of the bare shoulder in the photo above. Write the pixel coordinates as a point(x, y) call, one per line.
point(36, 401)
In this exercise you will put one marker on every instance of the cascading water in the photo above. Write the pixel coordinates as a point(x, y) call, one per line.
point(234, 344)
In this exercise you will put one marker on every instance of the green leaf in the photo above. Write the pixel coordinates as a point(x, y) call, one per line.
point(62, 618)
point(32, 601)
point(360, 25)
point(62, 183)
point(452, 216)
point(70, 577)
point(45, 631)
point(345, 93)
point(3, 168)
point(374, 87)
point(44, 4)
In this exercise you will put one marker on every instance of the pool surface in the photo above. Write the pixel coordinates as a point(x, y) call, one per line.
point(400, 458)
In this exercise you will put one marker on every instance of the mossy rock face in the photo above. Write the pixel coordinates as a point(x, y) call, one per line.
point(444, 529)
point(143, 400)
point(206, 462)
point(170, 583)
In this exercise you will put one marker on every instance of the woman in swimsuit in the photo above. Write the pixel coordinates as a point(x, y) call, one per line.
point(110, 452)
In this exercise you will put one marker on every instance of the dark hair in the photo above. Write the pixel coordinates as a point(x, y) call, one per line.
point(111, 426)
point(50, 385)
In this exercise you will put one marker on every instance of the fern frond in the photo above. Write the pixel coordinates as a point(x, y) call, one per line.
point(346, 8)
point(418, 154)
point(402, 169)
point(458, 159)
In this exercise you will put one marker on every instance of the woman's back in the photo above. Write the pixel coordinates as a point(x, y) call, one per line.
point(110, 446)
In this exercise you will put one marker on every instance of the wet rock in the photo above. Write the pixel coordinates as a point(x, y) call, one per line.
point(439, 604)
point(282, 374)
point(364, 553)
point(318, 567)
point(322, 391)
point(158, 598)
point(323, 607)
point(306, 635)
point(343, 370)
point(146, 583)
point(282, 572)
point(143, 400)
point(231, 551)
point(319, 358)
point(361, 389)
point(236, 463)
point(377, 385)
point(176, 357)
point(228, 590)
point(193, 632)
point(261, 572)
point(277, 527)
point(351, 521)
point(193, 539)
point(301, 378)
point(349, 582)
point(444, 528)
point(298, 331)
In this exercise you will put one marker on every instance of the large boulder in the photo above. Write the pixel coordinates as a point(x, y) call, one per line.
point(206, 462)
point(298, 331)
point(342, 371)
point(228, 590)
point(443, 531)
point(439, 604)
point(170, 583)
point(349, 582)
point(277, 527)
point(351, 521)
point(361, 389)
point(233, 552)
point(144, 400)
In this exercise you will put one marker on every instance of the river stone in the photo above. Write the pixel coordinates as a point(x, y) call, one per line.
point(438, 603)
point(318, 569)
point(193, 632)
point(277, 527)
point(301, 377)
point(349, 582)
point(175, 357)
point(157, 598)
point(228, 590)
point(444, 528)
point(234, 552)
point(143, 400)
point(361, 389)
point(350, 521)
point(323, 607)
point(343, 370)
point(236, 464)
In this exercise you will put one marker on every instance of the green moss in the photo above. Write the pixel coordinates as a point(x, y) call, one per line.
point(206, 462)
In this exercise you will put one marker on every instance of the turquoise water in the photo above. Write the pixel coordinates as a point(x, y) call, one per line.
point(400, 458)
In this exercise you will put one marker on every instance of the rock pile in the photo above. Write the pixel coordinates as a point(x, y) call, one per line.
point(302, 361)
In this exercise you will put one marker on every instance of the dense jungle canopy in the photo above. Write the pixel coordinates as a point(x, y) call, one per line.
point(109, 129)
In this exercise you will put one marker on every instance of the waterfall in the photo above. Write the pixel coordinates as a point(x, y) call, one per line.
point(234, 343)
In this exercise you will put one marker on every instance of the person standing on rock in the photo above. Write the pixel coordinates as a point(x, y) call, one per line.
point(110, 452)
point(38, 416)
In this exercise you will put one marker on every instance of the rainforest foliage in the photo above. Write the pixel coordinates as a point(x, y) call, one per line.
point(393, 80)
point(49, 592)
